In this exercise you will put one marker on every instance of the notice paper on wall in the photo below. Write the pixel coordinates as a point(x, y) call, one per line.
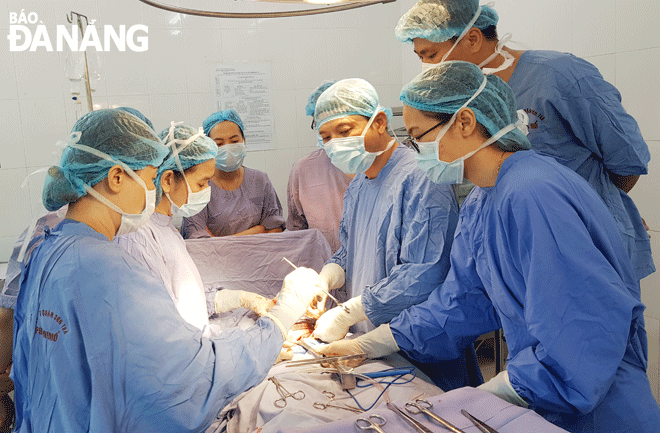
point(245, 87)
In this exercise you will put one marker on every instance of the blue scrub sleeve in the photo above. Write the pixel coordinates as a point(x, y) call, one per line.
point(339, 257)
point(593, 110)
point(271, 211)
point(419, 256)
point(576, 306)
point(195, 227)
point(454, 315)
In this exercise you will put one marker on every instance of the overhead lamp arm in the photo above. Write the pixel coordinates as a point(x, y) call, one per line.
point(298, 13)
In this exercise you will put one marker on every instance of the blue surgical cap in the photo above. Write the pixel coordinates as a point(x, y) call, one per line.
point(221, 116)
point(447, 86)
point(441, 20)
point(347, 98)
point(138, 114)
point(117, 133)
point(311, 102)
point(200, 150)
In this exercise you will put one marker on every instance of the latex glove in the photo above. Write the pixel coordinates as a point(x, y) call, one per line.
point(299, 288)
point(376, 344)
point(501, 387)
point(334, 324)
point(332, 276)
point(227, 300)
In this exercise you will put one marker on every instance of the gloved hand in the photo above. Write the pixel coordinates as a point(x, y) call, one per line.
point(375, 344)
point(332, 276)
point(226, 300)
point(298, 290)
point(334, 324)
point(501, 387)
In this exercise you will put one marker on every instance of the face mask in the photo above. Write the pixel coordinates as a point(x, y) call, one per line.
point(427, 66)
point(349, 154)
point(196, 200)
point(230, 156)
point(194, 205)
point(129, 222)
point(428, 158)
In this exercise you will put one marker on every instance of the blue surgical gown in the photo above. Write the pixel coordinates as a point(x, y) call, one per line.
point(99, 345)
point(396, 233)
point(539, 255)
point(577, 118)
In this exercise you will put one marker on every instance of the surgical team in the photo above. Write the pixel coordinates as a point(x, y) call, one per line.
point(548, 245)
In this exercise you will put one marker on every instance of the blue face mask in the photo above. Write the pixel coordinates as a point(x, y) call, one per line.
point(230, 156)
point(428, 158)
point(349, 154)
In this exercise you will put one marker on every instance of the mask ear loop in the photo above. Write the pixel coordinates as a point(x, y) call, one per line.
point(463, 33)
point(175, 154)
point(508, 57)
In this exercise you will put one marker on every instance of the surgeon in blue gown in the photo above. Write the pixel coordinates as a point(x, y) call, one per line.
point(98, 343)
point(396, 226)
point(575, 116)
point(537, 253)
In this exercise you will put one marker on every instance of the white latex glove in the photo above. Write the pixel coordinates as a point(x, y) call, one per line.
point(501, 387)
point(334, 324)
point(298, 290)
point(332, 276)
point(376, 344)
point(226, 300)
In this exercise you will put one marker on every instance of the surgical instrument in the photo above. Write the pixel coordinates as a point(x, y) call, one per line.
point(424, 406)
point(339, 304)
point(346, 376)
point(284, 394)
point(410, 420)
point(480, 424)
point(331, 396)
point(370, 424)
point(328, 359)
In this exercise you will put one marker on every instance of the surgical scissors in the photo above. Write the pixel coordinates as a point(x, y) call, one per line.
point(284, 394)
point(410, 420)
point(480, 424)
point(339, 304)
point(370, 424)
point(331, 397)
point(424, 406)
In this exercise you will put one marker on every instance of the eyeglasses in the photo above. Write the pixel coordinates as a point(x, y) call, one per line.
point(411, 142)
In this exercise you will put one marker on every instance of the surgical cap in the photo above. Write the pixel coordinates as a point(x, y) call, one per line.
point(347, 98)
point(116, 133)
point(200, 150)
point(441, 20)
point(311, 102)
point(138, 114)
point(221, 116)
point(447, 86)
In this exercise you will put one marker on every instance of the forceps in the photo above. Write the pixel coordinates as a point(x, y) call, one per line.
point(284, 394)
point(370, 423)
point(339, 304)
point(331, 396)
point(480, 424)
point(424, 406)
point(410, 420)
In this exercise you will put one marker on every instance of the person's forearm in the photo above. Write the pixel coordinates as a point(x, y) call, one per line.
point(252, 231)
point(6, 337)
point(275, 230)
point(624, 183)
